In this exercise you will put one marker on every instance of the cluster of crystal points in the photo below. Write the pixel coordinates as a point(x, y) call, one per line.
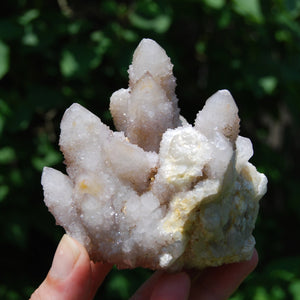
point(160, 193)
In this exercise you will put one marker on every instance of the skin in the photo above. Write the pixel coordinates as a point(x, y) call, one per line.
point(73, 276)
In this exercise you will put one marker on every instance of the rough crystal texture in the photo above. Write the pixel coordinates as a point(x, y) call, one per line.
point(148, 107)
point(160, 193)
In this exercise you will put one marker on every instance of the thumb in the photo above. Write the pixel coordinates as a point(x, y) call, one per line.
point(71, 274)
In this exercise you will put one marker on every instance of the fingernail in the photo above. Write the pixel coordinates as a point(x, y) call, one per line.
point(65, 258)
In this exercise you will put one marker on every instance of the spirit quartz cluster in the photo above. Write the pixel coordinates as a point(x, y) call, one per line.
point(159, 193)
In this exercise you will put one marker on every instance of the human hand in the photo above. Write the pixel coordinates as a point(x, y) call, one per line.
point(73, 276)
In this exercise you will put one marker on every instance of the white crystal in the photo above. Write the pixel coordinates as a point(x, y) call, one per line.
point(159, 193)
point(148, 107)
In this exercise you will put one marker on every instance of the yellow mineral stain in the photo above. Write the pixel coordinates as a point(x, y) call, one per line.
point(181, 209)
point(146, 86)
point(83, 185)
point(89, 187)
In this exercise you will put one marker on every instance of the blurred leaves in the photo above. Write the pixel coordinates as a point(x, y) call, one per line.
point(279, 281)
point(149, 15)
point(121, 284)
point(52, 56)
point(4, 112)
point(4, 59)
point(268, 84)
point(7, 155)
point(77, 60)
point(217, 4)
point(46, 155)
point(249, 9)
point(29, 16)
point(68, 64)
point(160, 24)
point(4, 190)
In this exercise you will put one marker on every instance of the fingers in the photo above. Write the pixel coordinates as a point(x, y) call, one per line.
point(215, 283)
point(99, 272)
point(72, 276)
point(164, 286)
point(172, 287)
point(145, 291)
point(219, 283)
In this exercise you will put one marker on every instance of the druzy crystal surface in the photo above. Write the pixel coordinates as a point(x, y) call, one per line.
point(158, 193)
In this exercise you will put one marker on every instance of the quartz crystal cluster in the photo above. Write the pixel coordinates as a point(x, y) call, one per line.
point(159, 193)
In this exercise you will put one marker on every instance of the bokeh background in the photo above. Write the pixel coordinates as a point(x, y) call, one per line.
point(54, 53)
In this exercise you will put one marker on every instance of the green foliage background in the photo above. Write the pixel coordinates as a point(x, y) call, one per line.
point(54, 53)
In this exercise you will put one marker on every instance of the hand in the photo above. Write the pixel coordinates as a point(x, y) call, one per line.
point(73, 276)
